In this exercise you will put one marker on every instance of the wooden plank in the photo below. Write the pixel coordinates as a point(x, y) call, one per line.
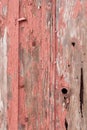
point(71, 87)
point(12, 63)
point(37, 65)
point(9, 65)
point(49, 53)
point(3, 65)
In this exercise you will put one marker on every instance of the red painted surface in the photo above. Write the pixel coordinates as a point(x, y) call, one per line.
point(9, 13)
point(35, 42)
point(38, 59)
point(12, 66)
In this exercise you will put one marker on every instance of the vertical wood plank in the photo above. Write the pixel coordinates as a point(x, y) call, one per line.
point(37, 65)
point(3, 65)
point(12, 63)
point(49, 53)
point(8, 65)
point(71, 87)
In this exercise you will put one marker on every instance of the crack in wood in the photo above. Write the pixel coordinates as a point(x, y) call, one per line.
point(66, 124)
point(81, 92)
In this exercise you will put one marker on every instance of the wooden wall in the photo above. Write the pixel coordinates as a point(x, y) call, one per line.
point(43, 65)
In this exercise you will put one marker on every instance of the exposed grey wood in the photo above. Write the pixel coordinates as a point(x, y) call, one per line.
point(71, 22)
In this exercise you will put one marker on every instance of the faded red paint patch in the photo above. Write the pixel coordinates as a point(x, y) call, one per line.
point(77, 8)
point(61, 83)
point(61, 23)
point(61, 112)
point(12, 66)
point(23, 112)
point(85, 7)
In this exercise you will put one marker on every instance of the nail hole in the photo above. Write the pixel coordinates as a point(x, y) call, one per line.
point(33, 43)
point(73, 44)
point(64, 90)
point(26, 119)
point(68, 65)
point(22, 86)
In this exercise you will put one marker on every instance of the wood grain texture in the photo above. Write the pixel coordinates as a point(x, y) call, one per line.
point(37, 75)
point(9, 65)
point(71, 21)
point(43, 65)
point(3, 66)
point(12, 63)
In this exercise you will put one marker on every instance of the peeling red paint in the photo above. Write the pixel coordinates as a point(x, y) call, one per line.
point(43, 65)
point(77, 9)
point(12, 69)
point(61, 19)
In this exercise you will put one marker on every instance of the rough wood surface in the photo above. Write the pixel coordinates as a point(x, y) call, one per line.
point(43, 65)
point(71, 22)
point(3, 67)
point(9, 64)
point(12, 63)
point(37, 55)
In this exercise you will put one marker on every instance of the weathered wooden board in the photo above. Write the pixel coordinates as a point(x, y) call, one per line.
point(37, 56)
point(12, 63)
point(3, 67)
point(43, 65)
point(71, 87)
point(9, 13)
